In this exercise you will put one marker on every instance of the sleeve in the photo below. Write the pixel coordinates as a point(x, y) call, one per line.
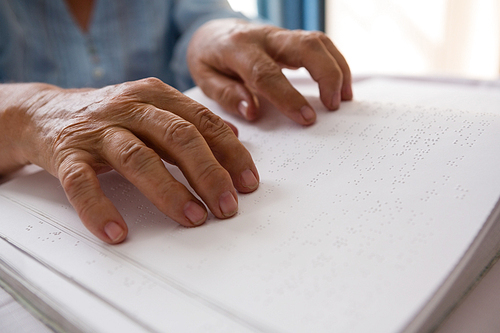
point(189, 15)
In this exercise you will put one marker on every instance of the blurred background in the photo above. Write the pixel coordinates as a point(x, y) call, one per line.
point(444, 38)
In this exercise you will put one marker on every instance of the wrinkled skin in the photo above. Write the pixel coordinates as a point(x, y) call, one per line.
point(77, 134)
point(235, 61)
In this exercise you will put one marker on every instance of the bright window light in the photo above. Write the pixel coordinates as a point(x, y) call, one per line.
point(425, 37)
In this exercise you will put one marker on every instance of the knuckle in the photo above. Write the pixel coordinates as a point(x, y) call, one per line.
point(318, 34)
point(264, 72)
point(86, 205)
point(239, 36)
point(78, 182)
point(135, 88)
point(66, 135)
point(180, 133)
point(135, 156)
point(322, 37)
point(212, 126)
point(213, 174)
point(152, 82)
point(245, 34)
point(225, 95)
point(169, 195)
point(312, 41)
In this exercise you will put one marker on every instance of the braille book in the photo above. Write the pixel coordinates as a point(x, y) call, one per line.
point(378, 218)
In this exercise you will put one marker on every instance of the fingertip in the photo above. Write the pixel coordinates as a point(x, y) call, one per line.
point(347, 94)
point(249, 181)
point(308, 115)
point(196, 214)
point(228, 204)
point(335, 100)
point(115, 232)
point(248, 110)
point(233, 95)
point(243, 108)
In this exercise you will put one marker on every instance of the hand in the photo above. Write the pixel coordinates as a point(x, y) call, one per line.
point(233, 61)
point(76, 134)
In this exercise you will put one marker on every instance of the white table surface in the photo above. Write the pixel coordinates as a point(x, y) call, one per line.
point(479, 311)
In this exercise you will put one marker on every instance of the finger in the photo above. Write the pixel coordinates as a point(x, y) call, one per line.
point(308, 49)
point(230, 93)
point(232, 127)
point(346, 72)
point(96, 211)
point(215, 139)
point(263, 74)
point(223, 143)
point(172, 135)
point(144, 168)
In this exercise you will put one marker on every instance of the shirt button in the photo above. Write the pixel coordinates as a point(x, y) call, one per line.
point(98, 72)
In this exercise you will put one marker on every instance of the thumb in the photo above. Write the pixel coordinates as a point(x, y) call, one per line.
point(96, 211)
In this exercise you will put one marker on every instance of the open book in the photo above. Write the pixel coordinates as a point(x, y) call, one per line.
point(378, 218)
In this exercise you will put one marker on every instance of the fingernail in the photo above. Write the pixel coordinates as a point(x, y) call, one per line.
point(336, 100)
point(113, 231)
point(195, 213)
point(243, 108)
point(228, 204)
point(248, 179)
point(307, 113)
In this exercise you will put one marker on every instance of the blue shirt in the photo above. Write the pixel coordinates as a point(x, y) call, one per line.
point(127, 40)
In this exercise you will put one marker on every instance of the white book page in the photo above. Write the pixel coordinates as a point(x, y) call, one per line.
point(357, 221)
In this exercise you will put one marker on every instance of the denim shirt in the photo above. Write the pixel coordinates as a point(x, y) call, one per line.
point(126, 40)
